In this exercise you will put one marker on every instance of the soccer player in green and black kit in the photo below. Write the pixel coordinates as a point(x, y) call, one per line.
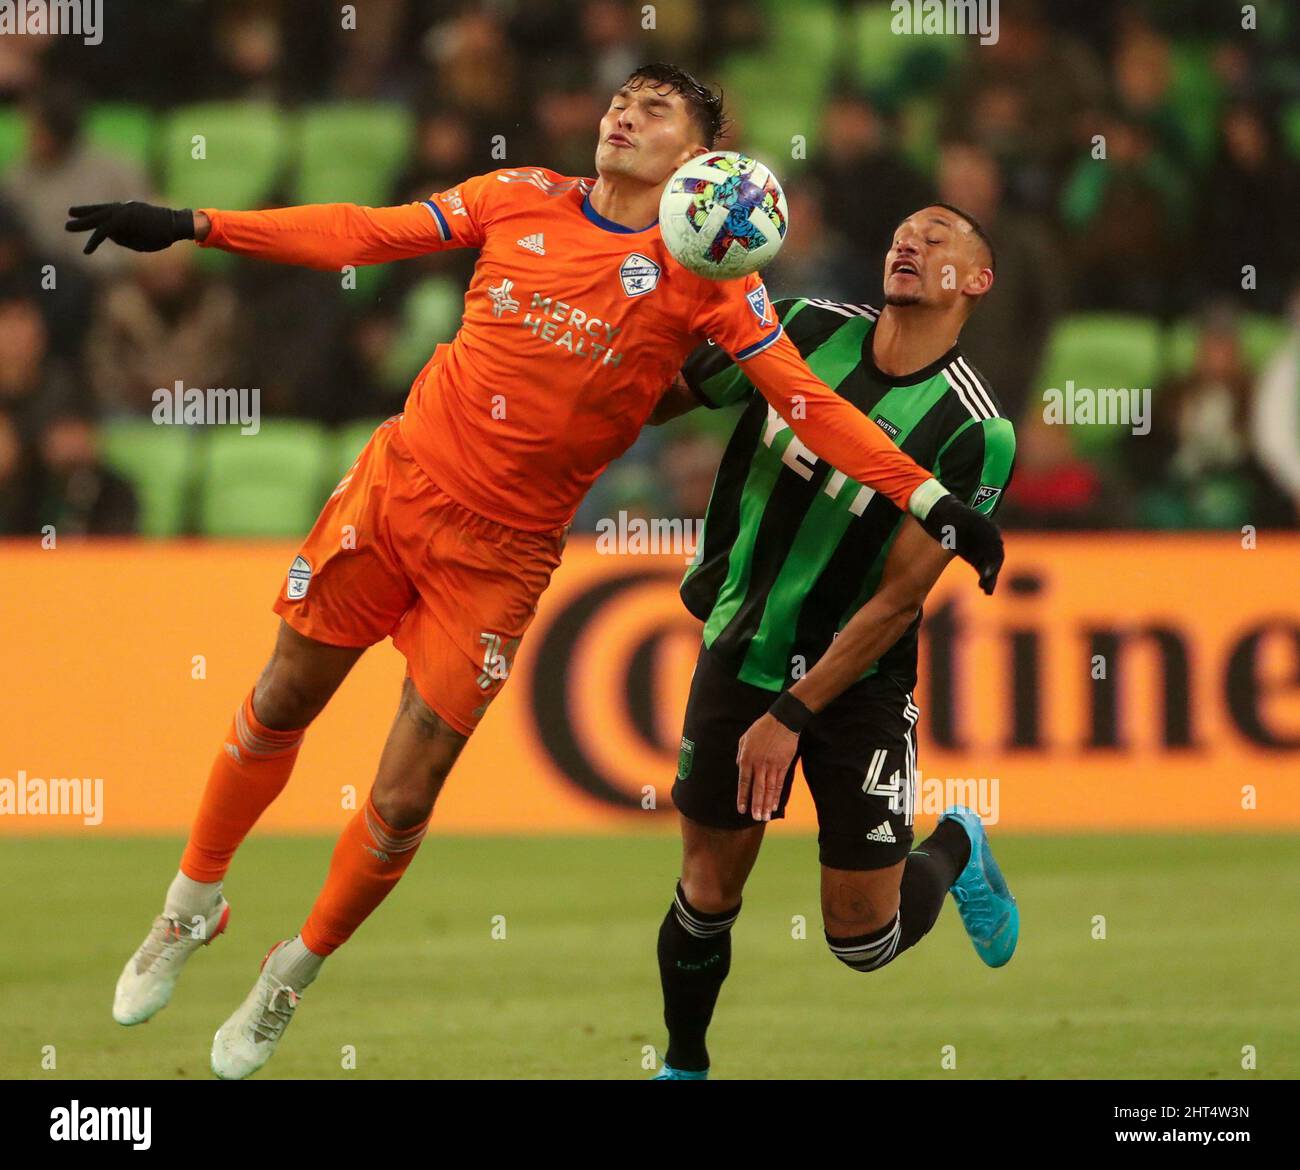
point(810, 588)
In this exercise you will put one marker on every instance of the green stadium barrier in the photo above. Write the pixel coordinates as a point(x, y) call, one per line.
point(268, 484)
point(160, 463)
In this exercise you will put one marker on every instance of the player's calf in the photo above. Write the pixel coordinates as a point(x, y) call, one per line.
point(927, 874)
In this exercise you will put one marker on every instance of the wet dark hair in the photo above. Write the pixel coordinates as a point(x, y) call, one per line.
point(977, 228)
point(705, 106)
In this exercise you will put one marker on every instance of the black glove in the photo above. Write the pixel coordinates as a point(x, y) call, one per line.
point(970, 534)
point(141, 227)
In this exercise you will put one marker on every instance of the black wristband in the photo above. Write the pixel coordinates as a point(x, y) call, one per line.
point(790, 712)
point(183, 224)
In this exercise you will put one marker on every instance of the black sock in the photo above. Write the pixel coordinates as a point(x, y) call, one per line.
point(931, 868)
point(694, 958)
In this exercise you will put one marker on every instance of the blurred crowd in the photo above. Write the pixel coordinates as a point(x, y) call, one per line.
point(1127, 157)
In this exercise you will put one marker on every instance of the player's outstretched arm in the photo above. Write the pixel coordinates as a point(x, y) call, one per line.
point(843, 436)
point(325, 236)
point(914, 564)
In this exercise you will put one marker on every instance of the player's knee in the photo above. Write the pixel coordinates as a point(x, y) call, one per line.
point(285, 700)
point(869, 951)
point(712, 893)
point(404, 808)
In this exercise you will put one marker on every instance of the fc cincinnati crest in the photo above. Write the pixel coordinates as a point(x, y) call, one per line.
point(758, 302)
point(299, 579)
point(639, 274)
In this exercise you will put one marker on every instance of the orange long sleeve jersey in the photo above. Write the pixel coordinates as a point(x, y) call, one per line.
point(573, 326)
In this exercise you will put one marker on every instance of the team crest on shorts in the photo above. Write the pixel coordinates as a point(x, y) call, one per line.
point(685, 758)
point(639, 274)
point(299, 579)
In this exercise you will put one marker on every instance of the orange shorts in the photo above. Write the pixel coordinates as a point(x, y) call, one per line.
point(392, 553)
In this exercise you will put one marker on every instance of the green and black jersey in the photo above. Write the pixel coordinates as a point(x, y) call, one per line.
point(792, 548)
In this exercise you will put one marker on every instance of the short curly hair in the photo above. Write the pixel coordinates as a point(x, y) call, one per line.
point(705, 106)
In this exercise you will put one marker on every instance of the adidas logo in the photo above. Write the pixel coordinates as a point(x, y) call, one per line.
point(534, 243)
point(882, 834)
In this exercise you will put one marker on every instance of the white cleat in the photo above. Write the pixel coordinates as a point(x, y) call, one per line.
point(247, 1040)
point(147, 980)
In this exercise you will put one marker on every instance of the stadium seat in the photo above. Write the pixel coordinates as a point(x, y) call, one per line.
point(159, 462)
point(1099, 351)
point(885, 64)
point(348, 441)
point(350, 152)
point(770, 116)
point(1196, 96)
point(246, 151)
point(123, 129)
point(431, 314)
point(919, 132)
point(1261, 336)
point(13, 135)
point(1291, 128)
point(812, 43)
point(268, 484)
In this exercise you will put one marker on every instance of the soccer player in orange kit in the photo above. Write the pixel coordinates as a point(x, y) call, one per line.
point(576, 319)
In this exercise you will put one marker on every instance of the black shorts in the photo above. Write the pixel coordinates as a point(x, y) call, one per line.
point(858, 754)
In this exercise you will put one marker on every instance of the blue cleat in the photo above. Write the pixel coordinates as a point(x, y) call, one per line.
point(668, 1073)
point(988, 911)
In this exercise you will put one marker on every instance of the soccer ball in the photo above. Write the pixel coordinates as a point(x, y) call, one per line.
point(723, 215)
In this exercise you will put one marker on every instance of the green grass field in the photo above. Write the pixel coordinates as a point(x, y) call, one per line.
point(1199, 960)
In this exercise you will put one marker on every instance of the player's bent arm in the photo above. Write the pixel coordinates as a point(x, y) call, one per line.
point(843, 436)
point(914, 564)
point(832, 426)
point(678, 399)
point(766, 749)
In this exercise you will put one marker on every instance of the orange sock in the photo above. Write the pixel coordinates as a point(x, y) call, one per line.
point(368, 860)
point(249, 772)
